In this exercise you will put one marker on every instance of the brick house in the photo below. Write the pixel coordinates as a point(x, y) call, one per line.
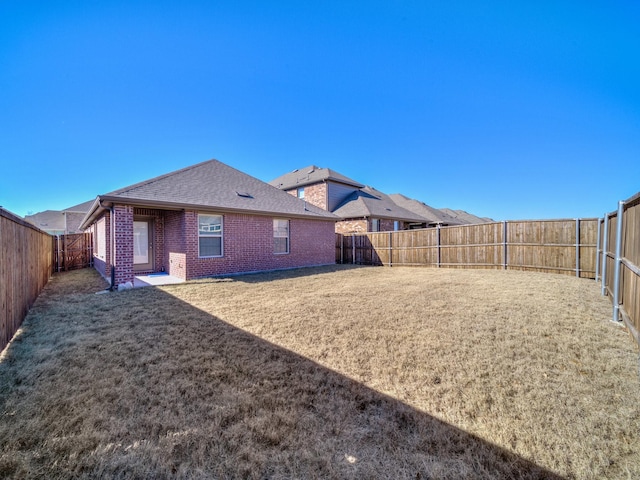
point(203, 220)
point(360, 208)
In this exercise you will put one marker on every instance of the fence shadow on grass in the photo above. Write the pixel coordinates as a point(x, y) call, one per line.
point(153, 387)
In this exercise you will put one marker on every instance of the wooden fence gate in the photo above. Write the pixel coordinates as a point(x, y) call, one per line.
point(73, 251)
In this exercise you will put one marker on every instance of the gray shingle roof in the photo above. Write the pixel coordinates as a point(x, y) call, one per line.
point(369, 202)
point(49, 220)
point(433, 215)
point(465, 217)
point(215, 186)
point(80, 208)
point(310, 175)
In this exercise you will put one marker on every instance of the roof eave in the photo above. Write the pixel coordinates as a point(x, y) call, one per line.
point(106, 201)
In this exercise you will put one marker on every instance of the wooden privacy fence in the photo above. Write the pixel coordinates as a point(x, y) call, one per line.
point(26, 265)
point(553, 246)
point(73, 251)
point(619, 262)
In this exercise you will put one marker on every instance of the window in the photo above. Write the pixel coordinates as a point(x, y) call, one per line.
point(210, 235)
point(101, 240)
point(280, 236)
point(301, 192)
point(375, 224)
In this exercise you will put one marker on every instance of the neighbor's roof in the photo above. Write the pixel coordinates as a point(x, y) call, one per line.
point(433, 215)
point(80, 208)
point(49, 220)
point(310, 175)
point(369, 202)
point(210, 185)
point(466, 217)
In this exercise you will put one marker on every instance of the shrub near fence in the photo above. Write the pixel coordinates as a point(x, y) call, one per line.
point(619, 262)
point(26, 265)
point(553, 246)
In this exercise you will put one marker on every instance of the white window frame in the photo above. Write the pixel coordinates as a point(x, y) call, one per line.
point(101, 240)
point(300, 193)
point(277, 234)
point(214, 234)
point(375, 224)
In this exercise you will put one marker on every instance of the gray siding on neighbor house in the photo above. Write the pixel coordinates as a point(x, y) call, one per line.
point(337, 193)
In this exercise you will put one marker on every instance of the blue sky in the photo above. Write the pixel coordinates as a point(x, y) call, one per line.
point(511, 110)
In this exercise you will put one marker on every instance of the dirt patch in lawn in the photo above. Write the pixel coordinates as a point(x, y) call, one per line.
point(330, 372)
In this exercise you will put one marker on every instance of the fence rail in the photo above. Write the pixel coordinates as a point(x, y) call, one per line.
point(26, 265)
point(618, 258)
point(553, 246)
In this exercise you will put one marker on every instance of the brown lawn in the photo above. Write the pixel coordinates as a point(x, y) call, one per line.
point(331, 372)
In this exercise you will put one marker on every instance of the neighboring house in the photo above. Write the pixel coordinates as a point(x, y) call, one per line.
point(60, 222)
point(360, 208)
point(433, 216)
point(369, 210)
point(466, 217)
point(321, 187)
point(203, 220)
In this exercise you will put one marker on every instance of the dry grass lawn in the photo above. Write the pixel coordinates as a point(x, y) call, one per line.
point(331, 372)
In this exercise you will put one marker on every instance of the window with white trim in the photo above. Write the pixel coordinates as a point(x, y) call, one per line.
point(100, 239)
point(300, 193)
point(209, 235)
point(375, 224)
point(280, 236)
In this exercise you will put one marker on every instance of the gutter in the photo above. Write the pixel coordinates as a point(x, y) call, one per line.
point(161, 205)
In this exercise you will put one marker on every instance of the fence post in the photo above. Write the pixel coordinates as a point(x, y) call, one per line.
point(598, 251)
point(616, 272)
point(605, 252)
point(391, 249)
point(438, 242)
point(353, 249)
point(578, 247)
point(341, 249)
point(504, 244)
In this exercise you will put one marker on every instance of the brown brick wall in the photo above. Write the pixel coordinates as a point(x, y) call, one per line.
point(316, 195)
point(72, 221)
point(247, 245)
point(313, 194)
point(352, 226)
point(123, 217)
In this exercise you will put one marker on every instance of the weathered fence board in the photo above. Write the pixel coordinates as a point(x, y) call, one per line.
point(623, 288)
point(555, 246)
point(26, 265)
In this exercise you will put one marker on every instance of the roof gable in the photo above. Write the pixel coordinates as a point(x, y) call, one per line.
point(369, 202)
point(301, 177)
point(216, 186)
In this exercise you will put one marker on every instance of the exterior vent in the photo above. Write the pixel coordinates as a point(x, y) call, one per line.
point(244, 194)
